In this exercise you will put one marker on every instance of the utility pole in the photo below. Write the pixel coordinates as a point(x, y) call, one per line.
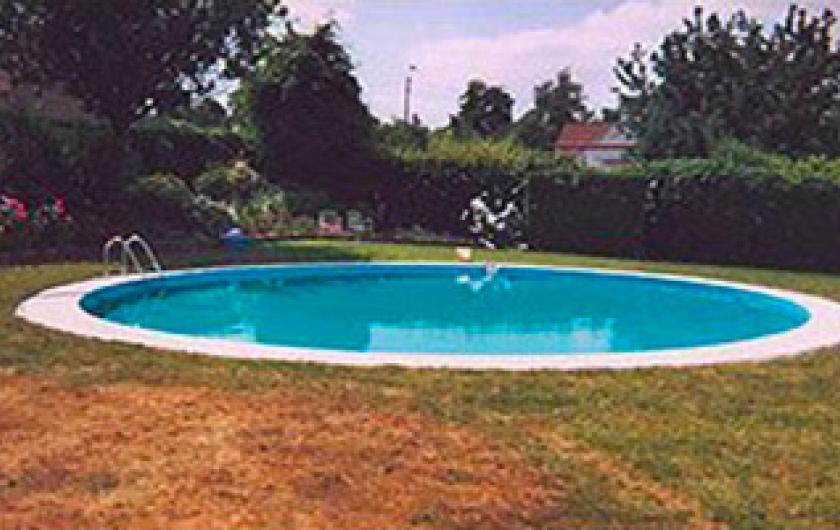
point(407, 95)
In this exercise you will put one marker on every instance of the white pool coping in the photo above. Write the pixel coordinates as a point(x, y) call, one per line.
point(59, 308)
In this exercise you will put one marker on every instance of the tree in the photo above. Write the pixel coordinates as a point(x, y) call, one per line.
point(556, 103)
point(778, 90)
point(126, 59)
point(610, 115)
point(485, 111)
point(305, 106)
point(400, 134)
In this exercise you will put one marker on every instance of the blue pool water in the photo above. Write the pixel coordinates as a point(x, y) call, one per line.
point(445, 309)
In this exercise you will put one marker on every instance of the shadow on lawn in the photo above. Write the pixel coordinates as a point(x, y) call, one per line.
point(199, 252)
point(260, 252)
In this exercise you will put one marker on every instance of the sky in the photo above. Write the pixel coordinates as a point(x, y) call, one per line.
point(513, 43)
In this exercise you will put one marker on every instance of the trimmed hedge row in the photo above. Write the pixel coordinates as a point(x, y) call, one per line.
point(588, 215)
point(435, 200)
point(716, 219)
point(761, 221)
point(767, 222)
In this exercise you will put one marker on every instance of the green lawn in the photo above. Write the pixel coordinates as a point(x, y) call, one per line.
point(750, 446)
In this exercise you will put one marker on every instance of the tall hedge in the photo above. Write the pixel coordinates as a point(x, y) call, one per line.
point(716, 219)
point(729, 219)
point(740, 206)
point(431, 187)
point(578, 213)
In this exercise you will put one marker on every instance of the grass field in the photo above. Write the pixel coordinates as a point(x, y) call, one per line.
point(96, 434)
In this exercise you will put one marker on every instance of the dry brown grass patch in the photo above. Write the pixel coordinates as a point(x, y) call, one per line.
point(136, 456)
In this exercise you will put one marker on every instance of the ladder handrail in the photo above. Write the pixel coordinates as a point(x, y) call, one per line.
point(118, 242)
point(128, 257)
point(132, 257)
point(135, 239)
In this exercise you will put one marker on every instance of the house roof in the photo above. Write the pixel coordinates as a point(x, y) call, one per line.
point(591, 135)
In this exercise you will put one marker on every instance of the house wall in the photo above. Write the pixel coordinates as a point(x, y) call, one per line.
point(615, 135)
point(595, 144)
point(603, 157)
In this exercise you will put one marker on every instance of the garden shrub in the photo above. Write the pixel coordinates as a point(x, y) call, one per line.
point(307, 202)
point(163, 204)
point(183, 149)
point(259, 206)
point(34, 225)
point(266, 212)
point(96, 172)
point(301, 225)
point(38, 152)
point(230, 183)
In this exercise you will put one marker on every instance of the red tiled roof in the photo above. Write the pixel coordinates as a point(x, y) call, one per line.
point(583, 132)
point(575, 136)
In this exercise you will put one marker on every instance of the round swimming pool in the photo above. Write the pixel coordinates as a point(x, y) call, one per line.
point(469, 315)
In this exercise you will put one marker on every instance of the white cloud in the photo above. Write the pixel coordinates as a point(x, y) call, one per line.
point(518, 60)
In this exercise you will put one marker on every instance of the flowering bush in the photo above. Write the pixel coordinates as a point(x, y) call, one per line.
point(26, 225)
point(13, 216)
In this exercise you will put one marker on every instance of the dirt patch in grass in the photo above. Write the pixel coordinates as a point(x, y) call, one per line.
point(129, 455)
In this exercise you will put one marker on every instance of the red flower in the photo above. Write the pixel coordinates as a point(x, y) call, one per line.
point(20, 213)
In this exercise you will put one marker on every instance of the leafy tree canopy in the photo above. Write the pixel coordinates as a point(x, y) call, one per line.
point(485, 111)
point(401, 134)
point(303, 101)
point(202, 112)
point(714, 78)
point(556, 103)
point(126, 59)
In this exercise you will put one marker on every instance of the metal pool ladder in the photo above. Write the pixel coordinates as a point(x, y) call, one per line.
point(128, 258)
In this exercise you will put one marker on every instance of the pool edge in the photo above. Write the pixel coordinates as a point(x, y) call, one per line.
point(58, 308)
